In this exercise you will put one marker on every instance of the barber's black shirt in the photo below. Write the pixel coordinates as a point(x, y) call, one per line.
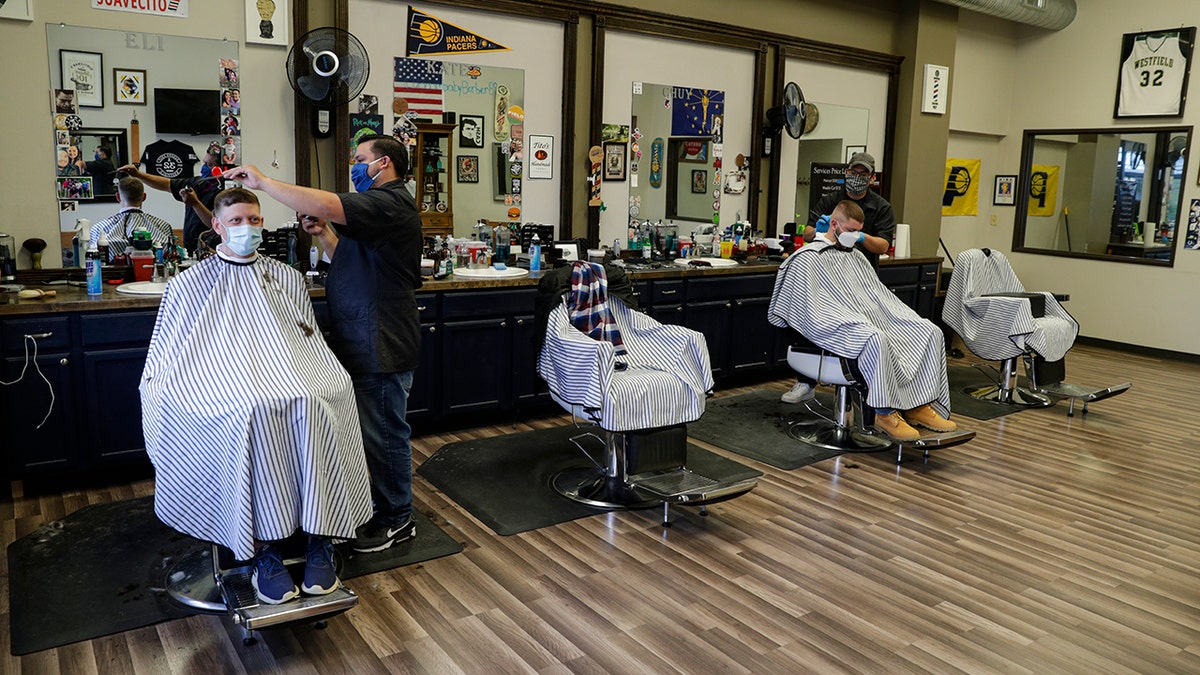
point(879, 220)
point(372, 278)
point(206, 190)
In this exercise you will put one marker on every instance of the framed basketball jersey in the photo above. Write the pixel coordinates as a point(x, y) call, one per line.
point(1153, 75)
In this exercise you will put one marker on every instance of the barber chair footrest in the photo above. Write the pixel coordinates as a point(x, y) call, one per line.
point(249, 613)
point(685, 485)
point(1085, 394)
point(940, 440)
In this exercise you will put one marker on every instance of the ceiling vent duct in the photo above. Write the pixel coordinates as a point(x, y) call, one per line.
point(1051, 14)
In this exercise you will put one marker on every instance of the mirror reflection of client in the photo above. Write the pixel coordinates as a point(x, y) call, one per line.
point(248, 417)
point(119, 228)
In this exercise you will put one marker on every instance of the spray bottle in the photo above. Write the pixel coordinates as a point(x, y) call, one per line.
point(535, 254)
point(95, 279)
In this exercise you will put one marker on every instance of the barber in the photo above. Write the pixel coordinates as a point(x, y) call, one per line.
point(879, 223)
point(373, 238)
point(202, 189)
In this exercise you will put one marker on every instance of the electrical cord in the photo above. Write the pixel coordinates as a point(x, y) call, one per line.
point(25, 367)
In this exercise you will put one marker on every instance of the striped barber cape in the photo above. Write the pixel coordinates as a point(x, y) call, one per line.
point(835, 299)
point(248, 417)
point(1000, 327)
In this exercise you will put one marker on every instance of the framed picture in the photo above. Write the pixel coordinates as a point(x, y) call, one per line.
point(267, 22)
point(468, 168)
point(694, 150)
point(63, 102)
point(470, 131)
point(82, 71)
point(1005, 192)
point(699, 182)
point(851, 150)
point(129, 86)
point(614, 161)
point(1152, 79)
point(17, 10)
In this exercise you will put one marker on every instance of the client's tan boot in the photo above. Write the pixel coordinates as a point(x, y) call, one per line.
point(894, 425)
point(927, 417)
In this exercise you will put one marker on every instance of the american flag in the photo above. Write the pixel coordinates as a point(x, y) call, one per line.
point(419, 81)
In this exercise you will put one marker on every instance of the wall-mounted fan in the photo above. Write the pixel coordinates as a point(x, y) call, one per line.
point(328, 67)
point(789, 114)
point(1176, 149)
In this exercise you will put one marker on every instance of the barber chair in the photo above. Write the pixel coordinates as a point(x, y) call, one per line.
point(641, 402)
point(1000, 321)
point(212, 580)
point(848, 432)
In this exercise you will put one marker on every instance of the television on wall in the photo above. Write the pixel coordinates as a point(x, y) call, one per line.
point(188, 112)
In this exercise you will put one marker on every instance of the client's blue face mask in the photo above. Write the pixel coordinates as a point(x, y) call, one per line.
point(243, 240)
point(361, 179)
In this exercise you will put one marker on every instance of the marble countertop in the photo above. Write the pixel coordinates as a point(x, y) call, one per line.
point(71, 298)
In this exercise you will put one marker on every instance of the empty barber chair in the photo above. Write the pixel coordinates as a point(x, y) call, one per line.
point(212, 580)
point(641, 399)
point(1000, 321)
point(848, 431)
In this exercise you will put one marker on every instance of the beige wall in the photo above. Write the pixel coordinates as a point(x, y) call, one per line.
point(1006, 81)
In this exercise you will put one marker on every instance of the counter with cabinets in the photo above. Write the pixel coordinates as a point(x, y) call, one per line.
point(79, 359)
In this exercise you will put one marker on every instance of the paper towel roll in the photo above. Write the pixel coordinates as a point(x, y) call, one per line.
point(901, 240)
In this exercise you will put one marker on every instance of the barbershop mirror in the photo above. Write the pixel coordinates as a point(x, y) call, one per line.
point(162, 62)
point(839, 132)
point(1111, 194)
point(682, 125)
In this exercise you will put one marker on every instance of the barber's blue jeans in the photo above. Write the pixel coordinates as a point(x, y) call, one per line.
point(382, 404)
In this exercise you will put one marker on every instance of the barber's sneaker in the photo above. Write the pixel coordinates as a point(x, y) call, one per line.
point(927, 417)
point(894, 425)
point(372, 536)
point(801, 391)
point(272, 583)
point(320, 575)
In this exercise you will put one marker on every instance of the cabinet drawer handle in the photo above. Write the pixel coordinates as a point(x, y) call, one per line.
point(503, 324)
point(63, 362)
point(520, 322)
point(433, 329)
point(728, 304)
point(41, 336)
point(673, 292)
point(421, 308)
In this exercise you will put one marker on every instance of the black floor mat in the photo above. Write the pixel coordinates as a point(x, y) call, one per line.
point(101, 570)
point(755, 425)
point(961, 403)
point(504, 481)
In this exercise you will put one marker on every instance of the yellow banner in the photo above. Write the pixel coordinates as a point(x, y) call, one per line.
point(1043, 190)
point(961, 197)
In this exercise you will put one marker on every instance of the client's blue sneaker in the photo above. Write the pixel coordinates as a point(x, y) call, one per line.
point(320, 575)
point(272, 583)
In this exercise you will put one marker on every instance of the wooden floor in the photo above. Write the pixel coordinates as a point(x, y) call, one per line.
point(1048, 544)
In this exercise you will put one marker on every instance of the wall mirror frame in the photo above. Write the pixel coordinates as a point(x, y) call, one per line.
point(87, 140)
point(1103, 194)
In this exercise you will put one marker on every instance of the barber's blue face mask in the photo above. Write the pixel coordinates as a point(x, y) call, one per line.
point(243, 240)
point(96, 155)
point(361, 179)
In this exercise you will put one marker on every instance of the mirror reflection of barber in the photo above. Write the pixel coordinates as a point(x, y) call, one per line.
point(879, 224)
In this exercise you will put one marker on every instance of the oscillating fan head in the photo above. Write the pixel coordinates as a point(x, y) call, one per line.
point(328, 67)
point(793, 110)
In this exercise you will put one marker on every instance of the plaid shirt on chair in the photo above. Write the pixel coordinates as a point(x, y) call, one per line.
point(588, 304)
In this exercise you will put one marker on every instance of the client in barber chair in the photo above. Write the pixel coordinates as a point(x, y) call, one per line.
point(829, 293)
point(248, 417)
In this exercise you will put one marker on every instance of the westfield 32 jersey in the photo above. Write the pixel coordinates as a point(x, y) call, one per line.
point(1152, 77)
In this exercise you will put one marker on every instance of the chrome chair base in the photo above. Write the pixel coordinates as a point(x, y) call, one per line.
point(830, 436)
point(1014, 396)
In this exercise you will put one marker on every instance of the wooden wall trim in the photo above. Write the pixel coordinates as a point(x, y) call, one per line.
point(599, 34)
point(302, 112)
point(566, 150)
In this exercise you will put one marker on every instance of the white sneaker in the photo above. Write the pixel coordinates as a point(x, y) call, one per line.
point(801, 391)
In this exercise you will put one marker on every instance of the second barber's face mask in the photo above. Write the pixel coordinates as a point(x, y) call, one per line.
point(857, 185)
point(361, 177)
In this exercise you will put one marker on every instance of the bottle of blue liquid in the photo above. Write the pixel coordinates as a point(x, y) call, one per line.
point(535, 254)
point(95, 280)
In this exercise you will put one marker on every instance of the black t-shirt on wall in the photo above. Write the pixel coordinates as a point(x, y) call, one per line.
point(170, 159)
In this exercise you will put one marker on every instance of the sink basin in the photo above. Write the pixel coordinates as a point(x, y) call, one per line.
point(143, 288)
point(491, 273)
point(715, 262)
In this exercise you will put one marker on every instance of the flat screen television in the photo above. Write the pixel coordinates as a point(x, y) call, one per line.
point(187, 111)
